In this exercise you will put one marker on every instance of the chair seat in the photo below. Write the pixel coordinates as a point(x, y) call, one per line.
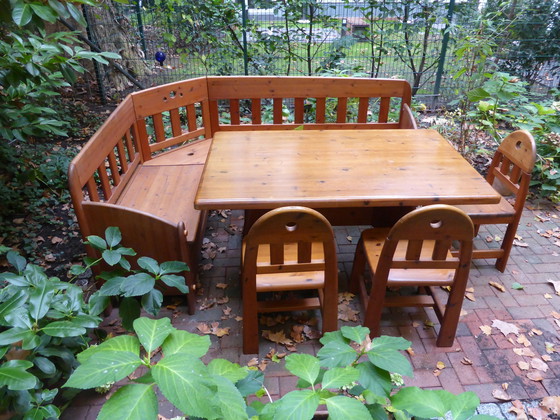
point(503, 212)
point(373, 243)
point(278, 282)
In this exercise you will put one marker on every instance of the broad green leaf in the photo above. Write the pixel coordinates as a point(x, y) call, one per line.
point(375, 379)
point(129, 310)
point(86, 321)
point(63, 329)
point(149, 264)
point(13, 335)
point(251, 384)
point(297, 405)
point(477, 94)
point(76, 14)
point(112, 287)
point(183, 380)
point(35, 275)
point(17, 300)
point(16, 378)
point(59, 8)
point(96, 242)
point(226, 369)
point(15, 279)
point(152, 332)
point(131, 402)
point(21, 13)
point(15, 259)
point(333, 336)
point(97, 303)
point(357, 334)
point(394, 343)
point(344, 408)
point(112, 55)
point(422, 402)
point(113, 236)
point(384, 354)
point(137, 284)
point(304, 366)
point(336, 353)
point(45, 365)
point(44, 12)
point(152, 301)
point(178, 282)
point(111, 257)
point(339, 377)
point(229, 401)
point(170, 267)
point(103, 367)
point(121, 343)
point(40, 299)
point(180, 341)
point(464, 405)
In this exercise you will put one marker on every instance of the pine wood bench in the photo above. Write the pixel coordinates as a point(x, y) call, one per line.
point(149, 155)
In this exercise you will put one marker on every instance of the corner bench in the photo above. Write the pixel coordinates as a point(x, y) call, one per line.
point(146, 160)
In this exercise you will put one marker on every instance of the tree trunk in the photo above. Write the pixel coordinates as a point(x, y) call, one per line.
point(113, 32)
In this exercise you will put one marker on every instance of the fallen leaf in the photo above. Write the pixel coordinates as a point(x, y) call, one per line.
point(221, 285)
point(56, 240)
point(505, 386)
point(463, 312)
point(518, 409)
point(498, 286)
point(501, 395)
point(555, 315)
point(517, 286)
point(349, 238)
point(50, 258)
point(222, 300)
point(538, 413)
point(312, 333)
point(226, 311)
point(277, 337)
point(253, 362)
point(546, 358)
point(552, 404)
point(547, 296)
point(415, 324)
point(410, 351)
point(345, 313)
point(486, 329)
point(489, 239)
point(470, 296)
point(520, 244)
point(345, 297)
point(524, 352)
point(238, 318)
point(536, 331)
point(535, 376)
point(522, 339)
point(297, 333)
point(440, 365)
point(466, 361)
point(539, 364)
point(555, 284)
point(505, 327)
point(523, 365)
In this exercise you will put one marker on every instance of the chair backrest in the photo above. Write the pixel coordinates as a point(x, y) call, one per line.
point(148, 235)
point(291, 225)
point(513, 162)
point(428, 233)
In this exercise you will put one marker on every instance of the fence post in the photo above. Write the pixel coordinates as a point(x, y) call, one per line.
point(443, 53)
point(244, 32)
point(140, 24)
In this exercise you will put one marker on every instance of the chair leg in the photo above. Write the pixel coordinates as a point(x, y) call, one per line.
point(329, 309)
point(507, 244)
point(191, 296)
point(450, 318)
point(250, 317)
point(372, 317)
point(358, 268)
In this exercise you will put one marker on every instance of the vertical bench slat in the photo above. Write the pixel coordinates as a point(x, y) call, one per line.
point(363, 110)
point(158, 127)
point(298, 110)
point(213, 116)
point(92, 190)
point(384, 110)
point(341, 110)
point(256, 111)
point(122, 156)
point(320, 110)
point(234, 111)
point(191, 117)
point(104, 179)
point(130, 149)
point(143, 139)
point(115, 175)
point(277, 110)
point(175, 122)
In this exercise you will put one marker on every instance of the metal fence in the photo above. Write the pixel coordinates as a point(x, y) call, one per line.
point(411, 39)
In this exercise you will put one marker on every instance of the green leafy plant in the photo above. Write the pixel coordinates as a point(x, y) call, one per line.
point(352, 375)
point(127, 283)
point(44, 323)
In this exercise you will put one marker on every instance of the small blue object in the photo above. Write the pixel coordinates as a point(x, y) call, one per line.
point(160, 57)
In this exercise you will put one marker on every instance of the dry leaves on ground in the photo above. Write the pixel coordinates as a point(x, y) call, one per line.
point(505, 327)
point(214, 329)
point(498, 286)
point(501, 394)
point(518, 409)
point(486, 329)
point(278, 337)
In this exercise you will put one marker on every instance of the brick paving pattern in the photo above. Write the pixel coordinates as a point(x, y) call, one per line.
point(476, 362)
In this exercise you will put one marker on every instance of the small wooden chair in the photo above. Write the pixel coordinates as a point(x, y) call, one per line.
point(416, 252)
point(149, 236)
point(510, 174)
point(287, 249)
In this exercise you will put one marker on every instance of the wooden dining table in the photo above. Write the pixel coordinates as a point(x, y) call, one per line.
point(342, 172)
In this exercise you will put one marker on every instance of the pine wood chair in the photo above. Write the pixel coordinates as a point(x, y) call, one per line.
point(510, 174)
point(416, 252)
point(288, 249)
point(149, 236)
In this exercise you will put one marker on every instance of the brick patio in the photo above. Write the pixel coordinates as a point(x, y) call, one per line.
point(493, 359)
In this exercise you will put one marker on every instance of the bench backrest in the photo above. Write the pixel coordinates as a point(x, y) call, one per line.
point(276, 102)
